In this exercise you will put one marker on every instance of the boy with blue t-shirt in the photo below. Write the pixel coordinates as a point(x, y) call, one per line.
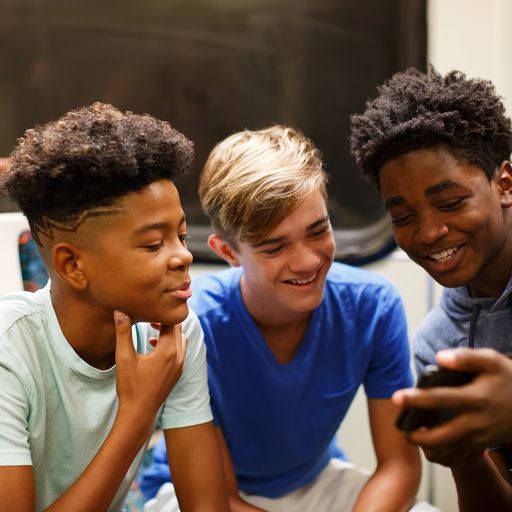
point(80, 386)
point(291, 336)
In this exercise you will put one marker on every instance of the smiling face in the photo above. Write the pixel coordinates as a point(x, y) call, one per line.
point(139, 261)
point(450, 219)
point(284, 274)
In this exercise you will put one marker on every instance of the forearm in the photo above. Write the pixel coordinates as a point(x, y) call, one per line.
point(394, 482)
point(237, 504)
point(96, 487)
point(481, 487)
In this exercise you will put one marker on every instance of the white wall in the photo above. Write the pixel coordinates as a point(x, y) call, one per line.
point(473, 36)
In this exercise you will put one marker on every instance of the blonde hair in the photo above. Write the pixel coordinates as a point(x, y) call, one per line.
point(254, 179)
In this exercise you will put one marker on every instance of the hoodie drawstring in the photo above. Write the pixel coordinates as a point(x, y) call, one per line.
point(475, 313)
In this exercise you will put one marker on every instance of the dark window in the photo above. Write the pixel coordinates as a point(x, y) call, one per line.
point(213, 67)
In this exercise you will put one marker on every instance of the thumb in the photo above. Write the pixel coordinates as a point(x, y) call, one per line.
point(124, 343)
point(472, 360)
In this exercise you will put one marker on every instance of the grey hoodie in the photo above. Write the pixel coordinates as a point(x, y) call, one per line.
point(461, 321)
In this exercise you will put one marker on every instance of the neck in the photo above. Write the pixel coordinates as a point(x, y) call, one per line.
point(284, 340)
point(90, 332)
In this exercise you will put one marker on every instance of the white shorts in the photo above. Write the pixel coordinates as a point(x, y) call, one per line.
point(334, 490)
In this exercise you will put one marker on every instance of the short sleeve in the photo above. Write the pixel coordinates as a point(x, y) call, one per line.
point(189, 402)
point(14, 411)
point(390, 364)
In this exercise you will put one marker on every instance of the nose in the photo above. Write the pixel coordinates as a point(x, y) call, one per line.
point(430, 228)
point(304, 259)
point(181, 258)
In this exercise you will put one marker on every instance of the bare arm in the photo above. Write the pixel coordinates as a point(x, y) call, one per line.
point(17, 489)
point(398, 464)
point(196, 467)
point(480, 486)
point(236, 502)
point(143, 383)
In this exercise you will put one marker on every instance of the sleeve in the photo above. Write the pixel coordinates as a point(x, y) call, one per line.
point(437, 332)
point(390, 364)
point(424, 351)
point(189, 401)
point(14, 411)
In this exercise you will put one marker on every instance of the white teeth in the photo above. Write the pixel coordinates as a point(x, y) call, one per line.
point(440, 256)
point(303, 281)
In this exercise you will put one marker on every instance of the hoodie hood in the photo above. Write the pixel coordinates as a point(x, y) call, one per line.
point(459, 305)
point(463, 321)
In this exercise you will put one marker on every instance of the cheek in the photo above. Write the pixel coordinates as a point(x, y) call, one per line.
point(331, 247)
point(402, 238)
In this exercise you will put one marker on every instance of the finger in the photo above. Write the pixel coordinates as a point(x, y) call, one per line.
point(398, 397)
point(457, 398)
point(153, 341)
point(184, 345)
point(156, 325)
point(453, 431)
point(181, 342)
point(470, 360)
point(169, 339)
point(124, 343)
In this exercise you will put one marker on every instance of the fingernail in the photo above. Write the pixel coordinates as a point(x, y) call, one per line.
point(120, 317)
point(447, 355)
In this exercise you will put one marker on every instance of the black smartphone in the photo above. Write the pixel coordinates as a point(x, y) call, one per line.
point(432, 376)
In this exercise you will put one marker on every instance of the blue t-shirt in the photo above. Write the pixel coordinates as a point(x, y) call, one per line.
point(280, 420)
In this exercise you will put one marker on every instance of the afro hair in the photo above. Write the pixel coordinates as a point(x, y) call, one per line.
point(416, 110)
point(90, 157)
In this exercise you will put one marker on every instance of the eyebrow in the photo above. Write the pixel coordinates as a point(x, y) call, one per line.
point(430, 191)
point(278, 239)
point(156, 225)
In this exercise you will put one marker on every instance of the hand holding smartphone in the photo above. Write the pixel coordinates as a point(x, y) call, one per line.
point(432, 376)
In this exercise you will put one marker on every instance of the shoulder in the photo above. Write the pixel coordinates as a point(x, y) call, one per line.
point(433, 334)
point(20, 308)
point(359, 283)
point(23, 336)
point(212, 291)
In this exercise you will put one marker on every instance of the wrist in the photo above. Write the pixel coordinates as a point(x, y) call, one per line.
point(137, 425)
point(472, 461)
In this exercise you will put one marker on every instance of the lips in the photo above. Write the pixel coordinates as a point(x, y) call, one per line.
point(183, 291)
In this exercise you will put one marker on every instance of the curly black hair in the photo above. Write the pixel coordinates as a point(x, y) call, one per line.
point(416, 110)
point(90, 157)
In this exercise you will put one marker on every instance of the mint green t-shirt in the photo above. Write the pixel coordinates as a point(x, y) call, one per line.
point(56, 410)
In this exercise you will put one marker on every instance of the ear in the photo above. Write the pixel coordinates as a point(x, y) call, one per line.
point(224, 250)
point(504, 176)
point(67, 263)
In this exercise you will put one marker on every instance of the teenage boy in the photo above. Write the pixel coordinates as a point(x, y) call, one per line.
point(438, 148)
point(80, 392)
point(291, 335)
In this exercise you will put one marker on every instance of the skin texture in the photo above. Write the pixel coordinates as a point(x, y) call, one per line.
point(301, 248)
point(144, 273)
point(439, 203)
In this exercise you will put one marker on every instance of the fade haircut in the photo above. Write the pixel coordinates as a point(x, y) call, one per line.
point(415, 110)
point(78, 166)
point(254, 179)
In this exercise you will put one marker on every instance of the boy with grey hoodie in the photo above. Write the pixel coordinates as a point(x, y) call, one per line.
point(438, 149)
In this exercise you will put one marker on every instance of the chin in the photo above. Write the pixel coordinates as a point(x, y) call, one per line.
point(177, 315)
point(172, 316)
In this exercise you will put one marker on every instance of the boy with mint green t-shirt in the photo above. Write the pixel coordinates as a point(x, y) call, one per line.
point(80, 385)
